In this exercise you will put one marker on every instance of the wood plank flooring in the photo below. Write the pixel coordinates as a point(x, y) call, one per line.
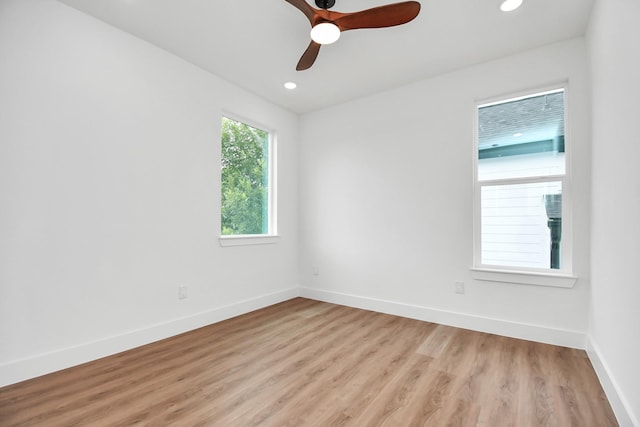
point(308, 363)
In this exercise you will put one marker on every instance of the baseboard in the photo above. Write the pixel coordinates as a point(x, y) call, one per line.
point(543, 334)
point(23, 369)
point(35, 366)
point(619, 403)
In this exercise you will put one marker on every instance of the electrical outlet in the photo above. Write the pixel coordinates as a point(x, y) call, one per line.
point(459, 287)
point(183, 292)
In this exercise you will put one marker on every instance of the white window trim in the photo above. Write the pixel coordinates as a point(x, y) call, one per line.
point(248, 239)
point(272, 235)
point(563, 277)
point(524, 277)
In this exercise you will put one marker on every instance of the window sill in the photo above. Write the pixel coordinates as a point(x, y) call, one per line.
point(244, 240)
point(524, 277)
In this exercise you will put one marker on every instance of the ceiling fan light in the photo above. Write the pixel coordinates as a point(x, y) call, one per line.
point(325, 33)
point(510, 5)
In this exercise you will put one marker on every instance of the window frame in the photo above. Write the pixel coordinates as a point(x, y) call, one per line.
point(272, 223)
point(562, 277)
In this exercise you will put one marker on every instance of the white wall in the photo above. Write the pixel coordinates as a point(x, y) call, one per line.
point(614, 45)
point(109, 192)
point(386, 211)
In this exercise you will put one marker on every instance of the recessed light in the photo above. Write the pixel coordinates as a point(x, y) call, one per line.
point(517, 135)
point(510, 5)
point(290, 85)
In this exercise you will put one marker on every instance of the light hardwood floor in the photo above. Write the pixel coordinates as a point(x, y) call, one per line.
point(308, 363)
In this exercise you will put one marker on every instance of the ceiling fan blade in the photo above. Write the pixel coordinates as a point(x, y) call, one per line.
point(304, 7)
point(309, 56)
point(379, 17)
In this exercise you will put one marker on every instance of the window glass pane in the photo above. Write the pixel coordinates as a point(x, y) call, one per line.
point(522, 138)
point(521, 224)
point(245, 179)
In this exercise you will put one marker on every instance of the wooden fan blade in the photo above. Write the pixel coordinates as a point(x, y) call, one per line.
point(305, 8)
point(379, 17)
point(309, 56)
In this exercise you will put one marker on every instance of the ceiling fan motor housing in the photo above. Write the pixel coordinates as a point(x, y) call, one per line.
point(325, 4)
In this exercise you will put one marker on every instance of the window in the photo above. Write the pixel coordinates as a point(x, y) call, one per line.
point(522, 188)
point(247, 185)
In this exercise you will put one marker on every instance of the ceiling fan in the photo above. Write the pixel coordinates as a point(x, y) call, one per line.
point(327, 25)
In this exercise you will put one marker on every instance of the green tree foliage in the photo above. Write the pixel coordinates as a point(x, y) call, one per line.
point(244, 179)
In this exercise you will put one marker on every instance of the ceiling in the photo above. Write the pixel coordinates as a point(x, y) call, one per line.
point(256, 44)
